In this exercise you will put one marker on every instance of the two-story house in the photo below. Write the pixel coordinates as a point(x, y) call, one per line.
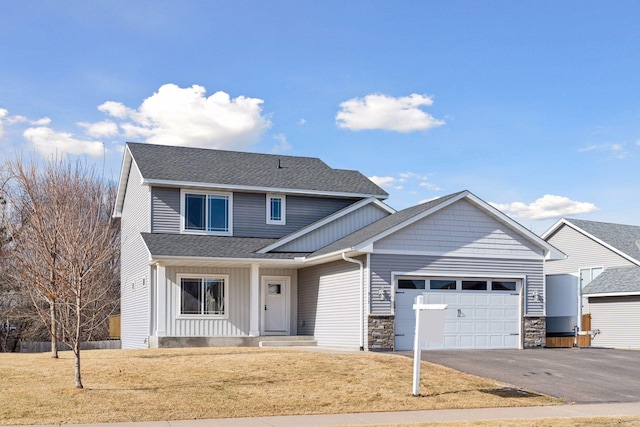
point(233, 248)
point(600, 277)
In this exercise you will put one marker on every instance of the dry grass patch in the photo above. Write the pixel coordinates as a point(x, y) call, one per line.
point(174, 384)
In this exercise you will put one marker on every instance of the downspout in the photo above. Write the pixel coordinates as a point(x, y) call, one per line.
point(361, 264)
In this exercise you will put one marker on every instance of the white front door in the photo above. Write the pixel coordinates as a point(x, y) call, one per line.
point(275, 305)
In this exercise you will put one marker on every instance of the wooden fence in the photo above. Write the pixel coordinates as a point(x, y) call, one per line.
point(45, 346)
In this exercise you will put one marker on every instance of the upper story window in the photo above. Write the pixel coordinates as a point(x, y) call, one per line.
point(207, 213)
point(276, 209)
point(587, 275)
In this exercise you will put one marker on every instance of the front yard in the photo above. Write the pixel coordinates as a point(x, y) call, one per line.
point(176, 384)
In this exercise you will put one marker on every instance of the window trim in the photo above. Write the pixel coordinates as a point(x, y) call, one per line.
point(224, 277)
point(183, 208)
point(283, 209)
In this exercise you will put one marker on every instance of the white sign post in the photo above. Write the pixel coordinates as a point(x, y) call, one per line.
point(430, 319)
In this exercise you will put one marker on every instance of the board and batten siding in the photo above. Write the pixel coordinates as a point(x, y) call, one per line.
point(135, 270)
point(383, 265)
point(328, 304)
point(165, 210)
point(461, 229)
point(618, 319)
point(582, 252)
point(250, 214)
point(335, 230)
point(237, 323)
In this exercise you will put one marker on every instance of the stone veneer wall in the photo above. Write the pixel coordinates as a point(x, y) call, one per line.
point(382, 334)
point(535, 332)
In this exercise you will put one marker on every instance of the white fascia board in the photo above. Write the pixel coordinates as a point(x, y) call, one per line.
point(125, 170)
point(553, 228)
point(603, 243)
point(612, 294)
point(334, 254)
point(326, 220)
point(161, 258)
point(368, 243)
point(169, 183)
point(552, 253)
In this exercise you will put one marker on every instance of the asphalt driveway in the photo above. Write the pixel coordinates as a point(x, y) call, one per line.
point(580, 375)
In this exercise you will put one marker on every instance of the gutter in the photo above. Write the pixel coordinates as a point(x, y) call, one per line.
point(361, 264)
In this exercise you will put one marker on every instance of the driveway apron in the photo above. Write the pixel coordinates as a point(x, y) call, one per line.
point(580, 375)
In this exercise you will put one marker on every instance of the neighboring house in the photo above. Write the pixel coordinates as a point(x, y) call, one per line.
point(230, 248)
point(601, 276)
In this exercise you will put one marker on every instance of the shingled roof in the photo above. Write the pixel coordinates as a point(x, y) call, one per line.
point(235, 169)
point(624, 238)
point(614, 281)
point(164, 245)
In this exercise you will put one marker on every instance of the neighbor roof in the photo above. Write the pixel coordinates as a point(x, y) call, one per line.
point(625, 239)
point(615, 281)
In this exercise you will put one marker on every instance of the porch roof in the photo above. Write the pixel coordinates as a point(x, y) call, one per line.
point(161, 245)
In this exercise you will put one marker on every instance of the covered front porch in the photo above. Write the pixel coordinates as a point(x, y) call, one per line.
point(201, 303)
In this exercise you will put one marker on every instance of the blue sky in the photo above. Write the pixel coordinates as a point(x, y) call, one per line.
point(533, 106)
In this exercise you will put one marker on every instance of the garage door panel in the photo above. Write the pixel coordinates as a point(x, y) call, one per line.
point(474, 319)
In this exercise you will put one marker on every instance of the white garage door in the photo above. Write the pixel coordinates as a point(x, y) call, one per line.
point(482, 313)
point(617, 319)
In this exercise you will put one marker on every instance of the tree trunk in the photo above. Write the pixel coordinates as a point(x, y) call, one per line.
point(76, 352)
point(54, 341)
point(78, 337)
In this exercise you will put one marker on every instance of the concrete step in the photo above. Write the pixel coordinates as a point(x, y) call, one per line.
point(289, 343)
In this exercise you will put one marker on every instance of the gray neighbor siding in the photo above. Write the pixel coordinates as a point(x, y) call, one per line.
point(249, 212)
point(135, 280)
point(582, 252)
point(328, 304)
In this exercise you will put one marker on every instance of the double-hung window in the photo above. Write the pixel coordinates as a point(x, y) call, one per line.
point(276, 209)
point(203, 295)
point(207, 213)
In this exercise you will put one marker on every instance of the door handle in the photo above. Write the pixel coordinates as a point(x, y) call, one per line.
point(459, 313)
point(265, 307)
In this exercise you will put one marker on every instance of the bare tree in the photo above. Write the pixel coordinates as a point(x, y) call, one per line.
point(66, 248)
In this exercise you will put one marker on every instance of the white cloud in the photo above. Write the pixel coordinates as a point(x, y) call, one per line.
point(103, 129)
point(3, 114)
point(378, 111)
point(548, 206)
point(283, 144)
point(48, 142)
point(302, 122)
point(41, 122)
point(383, 181)
point(185, 116)
point(617, 150)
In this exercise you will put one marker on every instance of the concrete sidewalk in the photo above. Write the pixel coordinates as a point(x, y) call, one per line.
point(406, 417)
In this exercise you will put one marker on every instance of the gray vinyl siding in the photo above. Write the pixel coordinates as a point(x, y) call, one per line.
point(250, 215)
point(165, 210)
point(383, 265)
point(249, 212)
point(618, 319)
point(335, 230)
point(582, 252)
point(135, 271)
point(328, 304)
point(237, 323)
point(460, 229)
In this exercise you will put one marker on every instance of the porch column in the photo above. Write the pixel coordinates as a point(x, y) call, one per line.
point(254, 302)
point(161, 300)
